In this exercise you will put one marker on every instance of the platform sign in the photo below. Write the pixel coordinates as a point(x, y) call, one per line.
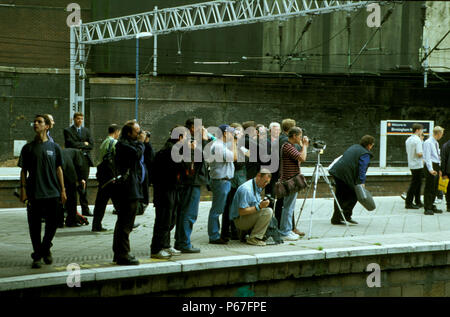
point(399, 127)
point(403, 127)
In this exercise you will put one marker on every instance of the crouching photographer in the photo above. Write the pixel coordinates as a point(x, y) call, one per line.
point(249, 212)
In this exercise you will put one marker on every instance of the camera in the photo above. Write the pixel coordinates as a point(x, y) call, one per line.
point(319, 144)
point(148, 134)
point(270, 199)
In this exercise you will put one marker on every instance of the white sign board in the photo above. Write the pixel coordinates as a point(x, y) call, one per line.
point(399, 127)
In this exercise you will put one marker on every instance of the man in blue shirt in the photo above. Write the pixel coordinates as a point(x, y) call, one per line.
point(432, 159)
point(249, 212)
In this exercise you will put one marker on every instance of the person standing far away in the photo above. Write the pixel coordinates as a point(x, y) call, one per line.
point(79, 137)
point(445, 168)
point(42, 185)
point(414, 151)
point(432, 170)
point(52, 124)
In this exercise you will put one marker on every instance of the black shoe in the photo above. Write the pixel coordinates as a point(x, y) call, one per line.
point(37, 264)
point(191, 250)
point(352, 221)
point(218, 241)
point(226, 239)
point(420, 205)
point(100, 229)
point(48, 259)
point(437, 211)
point(130, 260)
point(87, 213)
point(428, 212)
point(337, 222)
point(411, 207)
point(60, 225)
point(73, 224)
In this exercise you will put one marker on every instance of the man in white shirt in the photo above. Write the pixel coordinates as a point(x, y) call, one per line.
point(431, 155)
point(415, 163)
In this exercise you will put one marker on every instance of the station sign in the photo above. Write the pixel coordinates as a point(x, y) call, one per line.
point(404, 127)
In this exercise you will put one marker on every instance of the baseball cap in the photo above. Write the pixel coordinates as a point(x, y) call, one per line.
point(226, 128)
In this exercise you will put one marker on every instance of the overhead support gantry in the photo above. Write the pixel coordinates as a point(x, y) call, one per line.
point(201, 16)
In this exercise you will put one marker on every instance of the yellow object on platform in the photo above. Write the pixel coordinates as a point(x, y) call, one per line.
point(443, 183)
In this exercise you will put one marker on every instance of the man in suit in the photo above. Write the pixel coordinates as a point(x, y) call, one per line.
point(79, 137)
point(72, 170)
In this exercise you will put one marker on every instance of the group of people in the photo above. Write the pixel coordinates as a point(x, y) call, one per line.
point(230, 163)
point(427, 160)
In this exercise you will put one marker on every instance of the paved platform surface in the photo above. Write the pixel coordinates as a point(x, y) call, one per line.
point(389, 224)
point(13, 173)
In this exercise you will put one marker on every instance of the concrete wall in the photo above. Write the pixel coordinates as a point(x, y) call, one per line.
point(325, 46)
point(338, 110)
point(436, 26)
point(34, 33)
point(412, 274)
point(25, 93)
point(176, 52)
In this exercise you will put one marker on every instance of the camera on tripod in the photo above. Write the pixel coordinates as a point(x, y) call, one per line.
point(316, 144)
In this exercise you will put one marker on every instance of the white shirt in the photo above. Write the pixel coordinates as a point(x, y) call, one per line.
point(414, 147)
point(431, 153)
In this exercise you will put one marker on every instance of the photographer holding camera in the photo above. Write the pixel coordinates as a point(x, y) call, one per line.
point(249, 212)
point(130, 165)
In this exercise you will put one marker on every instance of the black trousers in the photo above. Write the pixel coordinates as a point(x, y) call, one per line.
point(83, 192)
point(101, 200)
point(414, 187)
point(71, 204)
point(431, 186)
point(447, 197)
point(228, 227)
point(124, 225)
point(346, 196)
point(166, 209)
point(36, 210)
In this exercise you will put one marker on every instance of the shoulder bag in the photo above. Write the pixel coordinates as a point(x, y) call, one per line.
point(294, 184)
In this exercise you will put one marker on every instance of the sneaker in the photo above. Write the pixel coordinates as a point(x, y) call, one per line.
point(190, 250)
point(172, 251)
point(163, 255)
point(254, 241)
point(291, 237)
point(438, 201)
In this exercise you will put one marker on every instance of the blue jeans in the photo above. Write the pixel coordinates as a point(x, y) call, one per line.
point(187, 217)
point(220, 190)
point(286, 214)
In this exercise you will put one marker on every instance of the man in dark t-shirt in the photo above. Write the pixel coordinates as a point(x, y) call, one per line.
point(42, 184)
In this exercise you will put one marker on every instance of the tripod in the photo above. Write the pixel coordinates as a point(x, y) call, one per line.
point(315, 177)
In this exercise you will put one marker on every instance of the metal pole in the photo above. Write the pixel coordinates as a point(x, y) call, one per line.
point(137, 79)
point(383, 143)
point(155, 47)
point(425, 66)
point(73, 102)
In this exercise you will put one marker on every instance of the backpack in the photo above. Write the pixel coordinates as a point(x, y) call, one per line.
point(106, 170)
point(273, 232)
